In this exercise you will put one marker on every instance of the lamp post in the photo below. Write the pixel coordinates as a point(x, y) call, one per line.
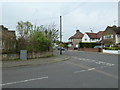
point(60, 35)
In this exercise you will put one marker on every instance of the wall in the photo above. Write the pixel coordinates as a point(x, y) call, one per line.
point(38, 55)
point(76, 42)
point(70, 48)
point(111, 51)
point(30, 55)
point(91, 49)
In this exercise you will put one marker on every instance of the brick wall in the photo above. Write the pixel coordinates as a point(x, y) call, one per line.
point(71, 48)
point(91, 49)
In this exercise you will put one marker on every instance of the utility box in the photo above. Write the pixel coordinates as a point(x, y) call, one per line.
point(23, 54)
point(118, 51)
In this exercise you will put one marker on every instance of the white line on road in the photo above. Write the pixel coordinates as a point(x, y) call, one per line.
point(91, 69)
point(94, 61)
point(80, 71)
point(23, 81)
point(84, 70)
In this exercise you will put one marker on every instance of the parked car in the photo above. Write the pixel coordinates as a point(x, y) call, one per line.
point(61, 48)
point(98, 46)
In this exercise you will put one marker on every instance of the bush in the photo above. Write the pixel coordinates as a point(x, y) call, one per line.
point(39, 42)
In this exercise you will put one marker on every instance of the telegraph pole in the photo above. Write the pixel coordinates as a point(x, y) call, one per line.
point(60, 35)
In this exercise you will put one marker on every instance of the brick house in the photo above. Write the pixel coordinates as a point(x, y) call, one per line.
point(111, 36)
point(8, 39)
point(75, 39)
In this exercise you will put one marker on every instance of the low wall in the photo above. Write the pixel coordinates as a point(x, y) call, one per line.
point(29, 55)
point(10, 56)
point(71, 48)
point(111, 51)
point(38, 55)
point(91, 49)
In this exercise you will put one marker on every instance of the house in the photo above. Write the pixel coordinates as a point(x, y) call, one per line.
point(111, 36)
point(75, 39)
point(92, 37)
point(8, 39)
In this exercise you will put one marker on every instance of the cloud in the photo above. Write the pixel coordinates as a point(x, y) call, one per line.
point(1, 13)
point(92, 15)
point(77, 15)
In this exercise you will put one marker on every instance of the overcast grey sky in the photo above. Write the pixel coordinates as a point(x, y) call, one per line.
point(76, 15)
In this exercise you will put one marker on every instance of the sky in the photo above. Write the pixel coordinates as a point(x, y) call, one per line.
point(84, 16)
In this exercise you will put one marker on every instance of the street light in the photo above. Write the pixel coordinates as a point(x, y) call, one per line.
point(60, 35)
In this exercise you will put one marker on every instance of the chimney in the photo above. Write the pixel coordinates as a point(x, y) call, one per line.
point(114, 26)
point(77, 31)
point(91, 31)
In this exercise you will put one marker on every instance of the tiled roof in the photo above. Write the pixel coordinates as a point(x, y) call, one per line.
point(3, 28)
point(77, 35)
point(95, 35)
point(115, 29)
point(92, 35)
point(99, 34)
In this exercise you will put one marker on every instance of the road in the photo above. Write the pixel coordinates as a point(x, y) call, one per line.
point(82, 70)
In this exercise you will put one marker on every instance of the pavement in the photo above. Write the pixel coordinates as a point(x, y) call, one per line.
point(46, 60)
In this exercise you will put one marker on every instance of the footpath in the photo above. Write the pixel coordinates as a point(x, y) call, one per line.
point(53, 59)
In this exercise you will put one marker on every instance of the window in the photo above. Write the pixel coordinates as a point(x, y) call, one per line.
point(108, 36)
point(111, 36)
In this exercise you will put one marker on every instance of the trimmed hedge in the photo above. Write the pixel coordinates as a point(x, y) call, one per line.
point(87, 45)
point(111, 48)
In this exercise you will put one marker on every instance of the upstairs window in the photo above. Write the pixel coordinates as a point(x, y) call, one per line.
point(108, 36)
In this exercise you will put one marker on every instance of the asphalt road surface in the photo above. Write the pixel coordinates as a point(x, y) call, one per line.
point(82, 70)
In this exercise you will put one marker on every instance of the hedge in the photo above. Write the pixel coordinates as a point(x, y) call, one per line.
point(87, 45)
point(111, 48)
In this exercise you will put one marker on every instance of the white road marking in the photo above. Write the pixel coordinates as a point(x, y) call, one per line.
point(94, 61)
point(84, 70)
point(91, 69)
point(79, 71)
point(23, 81)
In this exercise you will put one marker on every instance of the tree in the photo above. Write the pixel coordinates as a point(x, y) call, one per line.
point(24, 29)
point(35, 38)
point(52, 33)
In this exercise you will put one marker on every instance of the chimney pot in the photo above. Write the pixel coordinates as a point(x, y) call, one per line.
point(77, 30)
